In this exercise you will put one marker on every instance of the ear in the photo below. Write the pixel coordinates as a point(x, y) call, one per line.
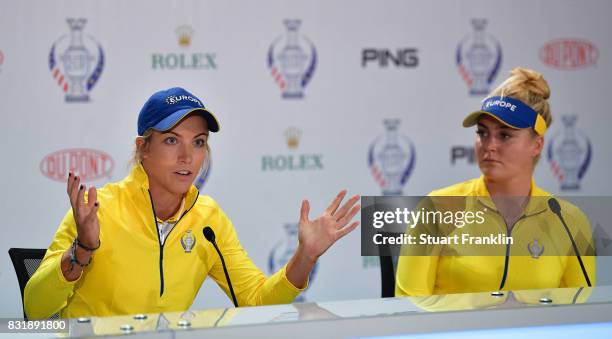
point(141, 147)
point(538, 146)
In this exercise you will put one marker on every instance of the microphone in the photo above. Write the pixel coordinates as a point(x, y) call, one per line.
point(209, 234)
point(555, 207)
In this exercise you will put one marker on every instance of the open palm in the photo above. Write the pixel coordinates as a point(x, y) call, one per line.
point(319, 234)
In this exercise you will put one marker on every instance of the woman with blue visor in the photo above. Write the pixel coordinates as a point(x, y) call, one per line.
point(145, 244)
point(545, 252)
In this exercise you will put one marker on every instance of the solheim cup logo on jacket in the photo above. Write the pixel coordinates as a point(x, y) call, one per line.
point(188, 241)
point(391, 159)
point(76, 62)
point(292, 60)
point(282, 252)
point(535, 248)
point(569, 154)
point(479, 58)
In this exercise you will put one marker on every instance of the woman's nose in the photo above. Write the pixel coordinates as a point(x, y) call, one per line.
point(489, 144)
point(185, 154)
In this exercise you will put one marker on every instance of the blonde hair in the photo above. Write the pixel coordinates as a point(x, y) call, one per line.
point(531, 88)
point(137, 154)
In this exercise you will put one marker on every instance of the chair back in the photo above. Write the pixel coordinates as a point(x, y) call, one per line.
point(26, 262)
point(388, 267)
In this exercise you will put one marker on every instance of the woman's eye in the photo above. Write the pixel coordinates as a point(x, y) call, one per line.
point(200, 142)
point(170, 141)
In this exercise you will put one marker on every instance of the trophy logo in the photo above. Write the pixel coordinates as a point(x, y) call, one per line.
point(76, 62)
point(188, 241)
point(391, 159)
point(569, 154)
point(184, 34)
point(282, 252)
point(479, 57)
point(292, 59)
point(535, 249)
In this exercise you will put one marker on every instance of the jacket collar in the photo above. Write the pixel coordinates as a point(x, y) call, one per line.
point(138, 180)
point(534, 206)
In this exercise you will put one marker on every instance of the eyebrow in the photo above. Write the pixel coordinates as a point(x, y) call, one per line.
point(501, 127)
point(178, 135)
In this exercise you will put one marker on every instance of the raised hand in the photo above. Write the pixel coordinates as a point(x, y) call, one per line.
point(85, 213)
point(316, 236)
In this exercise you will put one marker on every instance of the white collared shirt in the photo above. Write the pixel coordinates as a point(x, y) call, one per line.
point(164, 227)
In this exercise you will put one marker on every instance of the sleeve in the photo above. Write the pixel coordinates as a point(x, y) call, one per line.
point(48, 291)
point(416, 275)
point(251, 285)
point(573, 276)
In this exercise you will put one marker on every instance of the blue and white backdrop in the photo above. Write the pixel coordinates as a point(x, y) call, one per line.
point(313, 97)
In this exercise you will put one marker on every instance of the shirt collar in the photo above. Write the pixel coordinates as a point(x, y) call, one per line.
point(534, 206)
point(176, 215)
point(139, 179)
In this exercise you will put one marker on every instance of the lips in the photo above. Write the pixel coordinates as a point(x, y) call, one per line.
point(491, 161)
point(185, 173)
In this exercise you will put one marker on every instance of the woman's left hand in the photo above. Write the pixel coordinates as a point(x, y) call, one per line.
point(316, 236)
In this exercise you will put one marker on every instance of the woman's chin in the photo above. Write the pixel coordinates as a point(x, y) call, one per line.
point(491, 172)
point(180, 188)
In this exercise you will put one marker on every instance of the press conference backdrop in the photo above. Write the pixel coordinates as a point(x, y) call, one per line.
point(313, 97)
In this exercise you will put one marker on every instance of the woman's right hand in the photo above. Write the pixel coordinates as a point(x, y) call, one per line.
point(85, 213)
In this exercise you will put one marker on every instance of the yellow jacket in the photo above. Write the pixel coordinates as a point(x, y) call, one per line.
point(133, 273)
point(446, 274)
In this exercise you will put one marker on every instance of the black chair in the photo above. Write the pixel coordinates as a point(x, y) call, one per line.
point(26, 262)
point(388, 266)
point(387, 276)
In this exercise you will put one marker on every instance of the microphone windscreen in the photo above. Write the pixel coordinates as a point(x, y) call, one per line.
point(209, 234)
point(554, 205)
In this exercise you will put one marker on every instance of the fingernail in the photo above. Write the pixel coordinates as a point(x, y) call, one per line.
point(81, 187)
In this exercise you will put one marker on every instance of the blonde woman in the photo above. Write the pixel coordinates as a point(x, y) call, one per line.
point(143, 245)
point(510, 132)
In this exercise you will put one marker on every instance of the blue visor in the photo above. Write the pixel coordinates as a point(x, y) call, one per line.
point(509, 111)
point(173, 119)
point(166, 108)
